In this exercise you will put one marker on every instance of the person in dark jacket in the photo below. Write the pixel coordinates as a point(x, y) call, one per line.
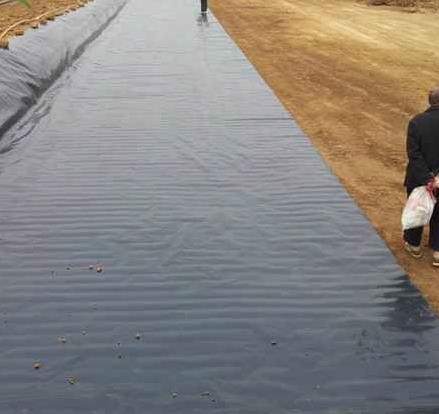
point(422, 168)
point(203, 6)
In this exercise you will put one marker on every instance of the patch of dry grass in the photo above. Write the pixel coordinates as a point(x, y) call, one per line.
point(413, 4)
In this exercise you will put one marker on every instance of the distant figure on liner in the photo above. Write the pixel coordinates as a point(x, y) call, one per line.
point(203, 6)
point(422, 169)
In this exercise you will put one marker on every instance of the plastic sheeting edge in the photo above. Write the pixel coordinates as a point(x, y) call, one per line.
point(34, 62)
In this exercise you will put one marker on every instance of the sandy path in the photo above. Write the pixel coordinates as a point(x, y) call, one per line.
point(352, 75)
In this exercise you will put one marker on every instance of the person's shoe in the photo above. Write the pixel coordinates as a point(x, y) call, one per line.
point(435, 262)
point(415, 251)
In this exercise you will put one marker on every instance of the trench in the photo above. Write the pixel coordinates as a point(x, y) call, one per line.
point(235, 273)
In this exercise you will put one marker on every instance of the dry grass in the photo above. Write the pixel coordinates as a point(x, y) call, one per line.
point(412, 4)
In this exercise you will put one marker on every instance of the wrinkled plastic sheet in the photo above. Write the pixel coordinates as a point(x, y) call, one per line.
point(32, 64)
point(238, 276)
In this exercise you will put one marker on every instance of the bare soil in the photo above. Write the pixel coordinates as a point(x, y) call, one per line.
point(352, 75)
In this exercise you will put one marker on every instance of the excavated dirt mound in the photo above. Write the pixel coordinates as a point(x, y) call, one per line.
point(11, 13)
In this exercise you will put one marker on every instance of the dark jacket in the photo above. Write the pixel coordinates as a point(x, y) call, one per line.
point(422, 148)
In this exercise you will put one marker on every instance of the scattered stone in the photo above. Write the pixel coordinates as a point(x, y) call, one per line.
point(138, 336)
point(62, 339)
point(37, 365)
point(72, 380)
point(273, 343)
point(84, 333)
point(35, 25)
point(213, 400)
point(99, 268)
point(205, 394)
point(19, 32)
point(174, 395)
point(119, 356)
point(91, 267)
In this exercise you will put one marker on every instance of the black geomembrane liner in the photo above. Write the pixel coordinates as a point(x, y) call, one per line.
point(237, 274)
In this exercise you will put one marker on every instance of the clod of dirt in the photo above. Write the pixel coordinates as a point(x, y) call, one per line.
point(37, 365)
point(4, 43)
point(19, 32)
point(72, 380)
point(35, 25)
point(377, 2)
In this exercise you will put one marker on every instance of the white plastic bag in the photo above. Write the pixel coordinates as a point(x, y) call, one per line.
point(418, 209)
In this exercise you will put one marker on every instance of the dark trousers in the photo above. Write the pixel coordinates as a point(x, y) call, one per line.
point(203, 6)
point(414, 236)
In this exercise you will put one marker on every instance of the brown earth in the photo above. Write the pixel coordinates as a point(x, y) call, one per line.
point(11, 13)
point(351, 75)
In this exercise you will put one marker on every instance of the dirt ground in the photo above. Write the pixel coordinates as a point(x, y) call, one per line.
point(351, 75)
point(11, 13)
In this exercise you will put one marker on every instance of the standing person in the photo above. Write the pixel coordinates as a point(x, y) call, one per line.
point(203, 6)
point(422, 168)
